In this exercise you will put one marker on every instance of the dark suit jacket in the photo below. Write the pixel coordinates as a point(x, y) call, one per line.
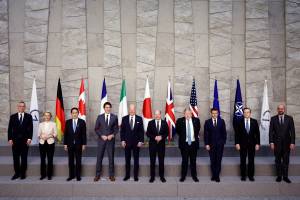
point(285, 132)
point(79, 137)
point(132, 137)
point(20, 132)
point(102, 129)
point(181, 131)
point(215, 135)
point(243, 138)
point(152, 131)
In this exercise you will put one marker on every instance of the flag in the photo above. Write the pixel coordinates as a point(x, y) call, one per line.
point(238, 106)
point(170, 113)
point(265, 117)
point(216, 98)
point(60, 113)
point(81, 102)
point(34, 111)
point(123, 111)
point(193, 100)
point(147, 110)
point(103, 96)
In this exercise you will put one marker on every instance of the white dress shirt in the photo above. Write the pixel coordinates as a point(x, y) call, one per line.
point(189, 123)
point(105, 116)
point(245, 122)
point(47, 129)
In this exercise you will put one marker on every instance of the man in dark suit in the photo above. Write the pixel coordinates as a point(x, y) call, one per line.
point(19, 137)
point(215, 138)
point(187, 129)
point(106, 128)
point(74, 143)
point(157, 132)
point(282, 140)
point(247, 141)
point(132, 138)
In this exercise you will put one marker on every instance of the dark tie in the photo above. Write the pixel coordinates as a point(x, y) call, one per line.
point(131, 123)
point(281, 120)
point(215, 123)
point(157, 126)
point(106, 120)
point(21, 118)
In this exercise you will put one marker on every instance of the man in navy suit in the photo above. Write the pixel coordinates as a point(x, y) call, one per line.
point(215, 138)
point(187, 129)
point(247, 141)
point(19, 137)
point(132, 138)
point(74, 143)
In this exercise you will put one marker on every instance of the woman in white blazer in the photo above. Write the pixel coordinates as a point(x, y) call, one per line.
point(47, 134)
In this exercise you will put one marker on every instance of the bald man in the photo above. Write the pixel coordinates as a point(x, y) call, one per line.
point(282, 140)
point(132, 138)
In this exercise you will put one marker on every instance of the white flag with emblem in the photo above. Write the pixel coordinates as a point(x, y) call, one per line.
point(265, 117)
point(34, 111)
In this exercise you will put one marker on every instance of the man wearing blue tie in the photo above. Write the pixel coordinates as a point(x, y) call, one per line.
point(187, 129)
point(215, 138)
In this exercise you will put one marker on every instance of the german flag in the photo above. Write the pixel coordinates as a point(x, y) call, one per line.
point(60, 113)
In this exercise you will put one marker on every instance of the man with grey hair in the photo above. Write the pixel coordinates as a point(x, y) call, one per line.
point(157, 132)
point(188, 128)
point(282, 141)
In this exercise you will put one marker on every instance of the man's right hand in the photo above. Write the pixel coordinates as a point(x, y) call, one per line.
point(238, 147)
point(10, 142)
point(272, 146)
point(123, 144)
point(104, 137)
point(66, 147)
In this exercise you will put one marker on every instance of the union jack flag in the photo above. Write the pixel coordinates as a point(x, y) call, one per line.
point(170, 113)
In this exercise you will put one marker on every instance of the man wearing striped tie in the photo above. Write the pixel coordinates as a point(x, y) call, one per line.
point(188, 129)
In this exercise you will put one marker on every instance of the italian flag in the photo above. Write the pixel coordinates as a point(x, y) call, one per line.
point(60, 113)
point(123, 111)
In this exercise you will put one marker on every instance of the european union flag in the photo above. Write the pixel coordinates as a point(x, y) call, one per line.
point(238, 106)
point(216, 98)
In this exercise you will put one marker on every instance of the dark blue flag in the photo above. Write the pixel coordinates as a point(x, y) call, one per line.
point(238, 105)
point(216, 98)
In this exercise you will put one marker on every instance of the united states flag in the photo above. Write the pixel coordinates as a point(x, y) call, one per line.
point(170, 113)
point(193, 100)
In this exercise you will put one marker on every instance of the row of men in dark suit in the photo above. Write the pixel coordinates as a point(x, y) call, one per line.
point(247, 140)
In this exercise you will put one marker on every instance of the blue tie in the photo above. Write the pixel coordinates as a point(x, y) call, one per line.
point(189, 133)
point(247, 126)
point(74, 125)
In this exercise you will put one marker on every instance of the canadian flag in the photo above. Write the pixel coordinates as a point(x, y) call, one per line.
point(147, 110)
point(81, 102)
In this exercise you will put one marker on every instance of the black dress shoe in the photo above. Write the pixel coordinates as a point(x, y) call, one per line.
point(287, 180)
point(14, 177)
point(213, 179)
point(49, 178)
point(243, 178)
point(126, 178)
point(162, 179)
point(278, 179)
point(251, 179)
point(195, 179)
point(42, 177)
point(218, 180)
point(136, 179)
point(182, 179)
point(78, 179)
point(151, 180)
point(23, 177)
point(70, 178)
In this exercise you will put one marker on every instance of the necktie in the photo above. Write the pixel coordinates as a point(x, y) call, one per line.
point(21, 118)
point(157, 126)
point(189, 132)
point(215, 123)
point(281, 120)
point(106, 120)
point(74, 125)
point(247, 126)
point(131, 123)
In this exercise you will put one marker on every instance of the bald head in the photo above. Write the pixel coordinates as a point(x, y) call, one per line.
point(281, 109)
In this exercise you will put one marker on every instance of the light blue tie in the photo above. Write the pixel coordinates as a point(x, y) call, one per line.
point(74, 125)
point(189, 133)
point(247, 126)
